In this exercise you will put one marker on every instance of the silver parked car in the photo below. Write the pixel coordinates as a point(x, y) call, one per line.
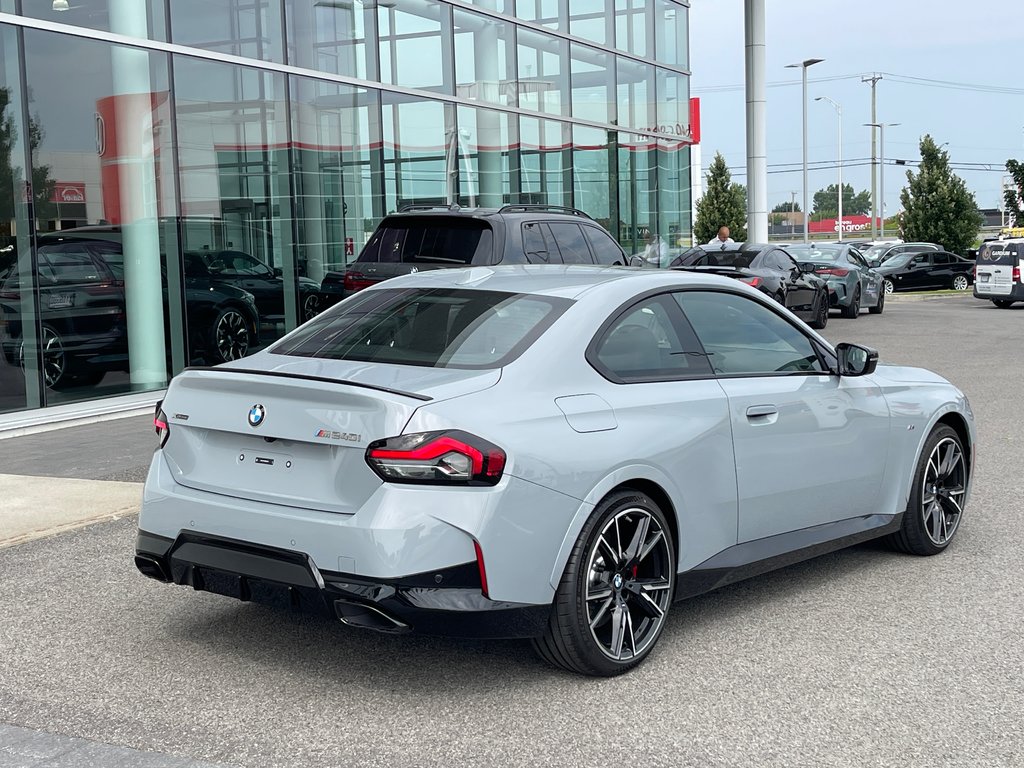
point(556, 453)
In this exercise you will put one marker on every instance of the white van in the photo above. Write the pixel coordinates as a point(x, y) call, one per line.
point(997, 272)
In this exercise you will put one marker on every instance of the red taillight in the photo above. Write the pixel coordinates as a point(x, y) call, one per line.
point(1016, 274)
point(356, 281)
point(437, 458)
point(834, 271)
point(160, 426)
point(754, 281)
point(480, 565)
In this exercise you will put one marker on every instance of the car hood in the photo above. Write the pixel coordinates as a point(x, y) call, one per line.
point(903, 374)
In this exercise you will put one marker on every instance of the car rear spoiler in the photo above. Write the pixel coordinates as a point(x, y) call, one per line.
point(306, 377)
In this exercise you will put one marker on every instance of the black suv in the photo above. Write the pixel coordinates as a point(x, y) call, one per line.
point(418, 238)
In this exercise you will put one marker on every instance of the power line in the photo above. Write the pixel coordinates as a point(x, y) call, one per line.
point(894, 77)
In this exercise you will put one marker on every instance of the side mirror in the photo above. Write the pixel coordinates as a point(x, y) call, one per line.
point(637, 261)
point(807, 266)
point(855, 360)
point(278, 271)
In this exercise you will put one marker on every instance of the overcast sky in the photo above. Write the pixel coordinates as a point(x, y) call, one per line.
point(974, 43)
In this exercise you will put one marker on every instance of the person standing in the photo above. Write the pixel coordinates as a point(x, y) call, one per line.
point(722, 239)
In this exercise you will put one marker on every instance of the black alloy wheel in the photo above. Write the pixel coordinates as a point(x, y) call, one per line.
point(880, 304)
point(310, 306)
point(853, 310)
point(230, 335)
point(54, 360)
point(937, 497)
point(611, 604)
point(820, 312)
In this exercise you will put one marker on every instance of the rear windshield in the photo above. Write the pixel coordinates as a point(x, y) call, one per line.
point(815, 253)
point(998, 253)
point(436, 328)
point(738, 259)
point(429, 240)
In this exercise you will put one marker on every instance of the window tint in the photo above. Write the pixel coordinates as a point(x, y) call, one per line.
point(857, 259)
point(998, 252)
point(921, 258)
point(643, 344)
point(429, 241)
point(742, 336)
point(535, 243)
point(778, 260)
point(436, 328)
point(606, 250)
point(570, 242)
point(941, 258)
point(738, 259)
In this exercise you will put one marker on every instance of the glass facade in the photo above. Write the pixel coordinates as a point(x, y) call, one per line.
point(177, 176)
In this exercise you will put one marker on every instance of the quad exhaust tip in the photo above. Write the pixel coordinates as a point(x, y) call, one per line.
point(368, 617)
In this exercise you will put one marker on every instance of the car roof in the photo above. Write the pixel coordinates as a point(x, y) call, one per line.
point(513, 210)
point(565, 280)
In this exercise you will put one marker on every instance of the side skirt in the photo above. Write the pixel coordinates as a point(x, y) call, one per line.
point(752, 558)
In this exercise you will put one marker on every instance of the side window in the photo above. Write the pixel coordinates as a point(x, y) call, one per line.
point(606, 250)
point(649, 342)
point(570, 242)
point(535, 243)
point(941, 258)
point(922, 259)
point(741, 336)
point(67, 265)
point(857, 259)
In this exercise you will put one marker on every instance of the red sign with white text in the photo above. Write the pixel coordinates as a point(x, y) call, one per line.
point(850, 224)
point(68, 192)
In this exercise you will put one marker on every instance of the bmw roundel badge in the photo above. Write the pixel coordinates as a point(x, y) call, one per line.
point(256, 415)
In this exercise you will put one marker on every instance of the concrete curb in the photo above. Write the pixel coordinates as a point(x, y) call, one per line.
point(898, 297)
point(35, 507)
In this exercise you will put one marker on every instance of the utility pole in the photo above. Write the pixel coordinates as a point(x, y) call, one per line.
point(803, 65)
point(874, 158)
point(792, 215)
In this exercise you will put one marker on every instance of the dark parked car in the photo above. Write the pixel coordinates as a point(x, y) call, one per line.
point(881, 252)
point(421, 238)
point(81, 301)
point(923, 271)
point(771, 270)
point(852, 284)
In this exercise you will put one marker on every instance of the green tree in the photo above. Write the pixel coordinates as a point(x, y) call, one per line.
point(937, 206)
point(1013, 195)
point(12, 175)
point(790, 207)
point(724, 204)
point(826, 203)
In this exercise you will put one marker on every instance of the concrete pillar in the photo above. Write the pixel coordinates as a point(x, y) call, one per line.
point(488, 123)
point(133, 105)
point(757, 160)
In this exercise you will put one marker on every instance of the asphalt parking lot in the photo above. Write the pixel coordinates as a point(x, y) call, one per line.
point(860, 658)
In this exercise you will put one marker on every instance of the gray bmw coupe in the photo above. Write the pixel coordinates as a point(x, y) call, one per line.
point(556, 453)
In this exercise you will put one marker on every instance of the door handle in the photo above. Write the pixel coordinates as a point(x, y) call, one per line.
point(758, 411)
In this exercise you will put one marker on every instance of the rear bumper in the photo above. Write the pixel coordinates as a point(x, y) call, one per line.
point(1016, 292)
point(445, 602)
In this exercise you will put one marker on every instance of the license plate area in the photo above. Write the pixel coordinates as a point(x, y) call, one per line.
point(984, 278)
point(61, 300)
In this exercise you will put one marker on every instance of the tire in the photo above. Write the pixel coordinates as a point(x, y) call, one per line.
point(310, 306)
point(877, 309)
point(601, 608)
point(887, 286)
point(961, 283)
point(933, 516)
point(56, 373)
point(1002, 303)
point(229, 335)
point(852, 311)
point(820, 312)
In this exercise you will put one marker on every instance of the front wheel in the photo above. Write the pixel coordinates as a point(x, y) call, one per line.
point(310, 306)
point(937, 496)
point(611, 604)
point(887, 286)
point(961, 283)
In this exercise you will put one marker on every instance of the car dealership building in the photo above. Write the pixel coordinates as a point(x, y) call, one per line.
point(167, 163)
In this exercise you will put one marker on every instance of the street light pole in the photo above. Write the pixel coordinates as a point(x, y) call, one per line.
point(839, 115)
point(803, 65)
point(881, 171)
